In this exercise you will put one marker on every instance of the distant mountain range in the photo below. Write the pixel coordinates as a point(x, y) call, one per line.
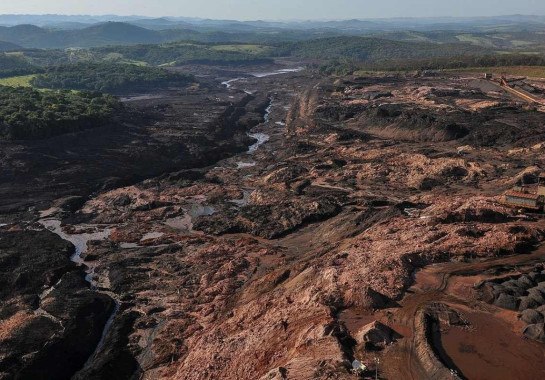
point(58, 31)
point(67, 21)
point(109, 33)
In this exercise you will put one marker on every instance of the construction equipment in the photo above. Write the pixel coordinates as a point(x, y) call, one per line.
point(526, 198)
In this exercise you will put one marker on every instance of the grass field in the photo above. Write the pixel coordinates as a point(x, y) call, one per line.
point(527, 71)
point(15, 53)
point(479, 41)
point(119, 58)
point(20, 81)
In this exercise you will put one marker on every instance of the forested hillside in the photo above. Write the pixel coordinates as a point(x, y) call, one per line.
point(373, 49)
point(11, 65)
point(27, 114)
point(109, 77)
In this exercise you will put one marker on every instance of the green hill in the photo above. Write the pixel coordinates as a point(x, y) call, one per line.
point(374, 49)
point(8, 46)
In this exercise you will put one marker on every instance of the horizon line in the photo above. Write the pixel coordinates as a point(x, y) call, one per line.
point(278, 20)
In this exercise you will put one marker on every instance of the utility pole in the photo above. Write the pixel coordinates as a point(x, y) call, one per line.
point(377, 362)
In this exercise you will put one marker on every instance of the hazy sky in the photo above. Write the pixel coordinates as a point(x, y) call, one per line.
point(278, 9)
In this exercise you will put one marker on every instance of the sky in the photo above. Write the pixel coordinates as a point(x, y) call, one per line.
point(278, 9)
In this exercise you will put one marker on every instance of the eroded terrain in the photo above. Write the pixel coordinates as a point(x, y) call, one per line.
point(317, 221)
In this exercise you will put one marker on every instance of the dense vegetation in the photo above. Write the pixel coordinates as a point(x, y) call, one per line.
point(183, 53)
point(347, 66)
point(27, 114)
point(108, 77)
point(372, 49)
point(13, 65)
point(460, 62)
point(431, 48)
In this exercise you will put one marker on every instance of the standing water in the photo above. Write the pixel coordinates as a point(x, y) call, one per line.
point(79, 240)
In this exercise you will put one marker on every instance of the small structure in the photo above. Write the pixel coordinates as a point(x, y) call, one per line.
point(526, 198)
point(358, 367)
point(487, 76)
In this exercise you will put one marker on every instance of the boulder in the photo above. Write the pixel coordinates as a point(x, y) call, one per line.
point(527, 303)
point(514, 290)
point(541, 286)
point(541, 309)
point(505, 301)
point(122, 201)
point(535, 332)
point(497, 290)
point(532, 317)
point(372, 300)
point(537, 296)
point(525, 282)
point(388, 110)
point(536, 276)
point(71, 203)
point(427, 183)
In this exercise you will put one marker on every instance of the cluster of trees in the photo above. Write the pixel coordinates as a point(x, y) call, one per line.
point(182, 53)
point(348, 66)
point(108, 77)
point(372, 49)
point(12, 65)
point(27, 114)
point(458, 62)
point(338, 67)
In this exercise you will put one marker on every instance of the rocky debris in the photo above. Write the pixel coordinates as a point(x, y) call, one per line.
point(475, 210)
point(279, 373)
point(527, 176)
point(270, 220)
point(285, 174)
point(50, 321)
point(70, 203)
point(122, 201)
point(376, 336)
point(350, 221)
point(369, 299)
point(426, 183)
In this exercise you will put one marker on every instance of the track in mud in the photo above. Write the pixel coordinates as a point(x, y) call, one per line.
point(490, 347)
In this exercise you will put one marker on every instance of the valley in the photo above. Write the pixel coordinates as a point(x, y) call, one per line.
point(273, 222)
